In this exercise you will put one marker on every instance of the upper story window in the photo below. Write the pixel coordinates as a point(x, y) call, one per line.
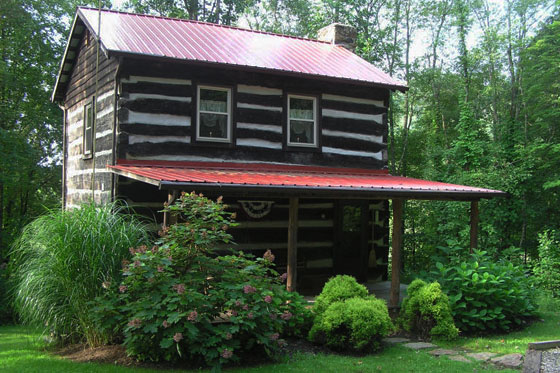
point(213, 114)
point(302, 121)
point(87, 134)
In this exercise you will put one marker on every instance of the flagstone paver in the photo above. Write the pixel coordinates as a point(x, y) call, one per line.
point(481, 356)
point(509, 361)
point(419, 345)
point(460, 358)
point(396, 340)
point(441, 352)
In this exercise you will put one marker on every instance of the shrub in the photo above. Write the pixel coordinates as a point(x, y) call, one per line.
point(61, 261)
point(357, 324)
point(547, 269)
point(485, 294)
point(178, 300)
point(426, 311)
point(338, 288)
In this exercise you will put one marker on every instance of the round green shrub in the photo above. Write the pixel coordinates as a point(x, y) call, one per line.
point(357, 324)
point(547, 268)
point(426, 311)
point(486, 294)
point(338, 288)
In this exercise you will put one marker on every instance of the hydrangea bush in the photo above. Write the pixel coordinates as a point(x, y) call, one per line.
point(179, 300)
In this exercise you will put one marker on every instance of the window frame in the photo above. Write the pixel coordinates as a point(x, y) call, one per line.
point(229, 113)
point(315, 121)
point(88, 153)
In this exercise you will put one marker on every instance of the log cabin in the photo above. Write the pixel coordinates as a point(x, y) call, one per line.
point(292, 132)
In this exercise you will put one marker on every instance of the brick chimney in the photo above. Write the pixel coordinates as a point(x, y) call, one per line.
point(339, 34)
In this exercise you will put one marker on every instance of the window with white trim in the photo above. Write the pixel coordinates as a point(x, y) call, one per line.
point(87, 133)
point(213, 114)
point(302, 121)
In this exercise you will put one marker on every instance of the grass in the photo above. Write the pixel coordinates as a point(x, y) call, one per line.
point(22, 350)
point(515, 342)
point(61, 261)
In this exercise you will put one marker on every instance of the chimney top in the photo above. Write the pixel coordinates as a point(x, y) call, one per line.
point(339, 34)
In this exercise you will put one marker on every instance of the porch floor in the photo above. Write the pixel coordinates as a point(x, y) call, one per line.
point(381, 290)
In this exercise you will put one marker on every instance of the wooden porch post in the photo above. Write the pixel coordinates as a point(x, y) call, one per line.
point(167, 219)
point(292, 244)
point(474, 225)
point(396, 253)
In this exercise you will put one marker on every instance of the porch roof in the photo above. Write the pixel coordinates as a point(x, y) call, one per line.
point(292, 180)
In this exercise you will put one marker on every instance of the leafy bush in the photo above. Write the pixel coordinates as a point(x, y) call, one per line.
point(547, 270)
point(180, 301)
point(426, 311)
point(338, 288)
point(357, 324)
point(62, 259)
point(485, 294)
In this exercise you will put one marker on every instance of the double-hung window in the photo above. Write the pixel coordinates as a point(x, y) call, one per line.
point(213, 114)
point(302, 121)
point(87, 133)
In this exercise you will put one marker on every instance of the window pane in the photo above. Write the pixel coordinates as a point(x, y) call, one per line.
point(211, 100)
point(88, 141)
point(301, 108)
point(213, 125)
point(302, 132)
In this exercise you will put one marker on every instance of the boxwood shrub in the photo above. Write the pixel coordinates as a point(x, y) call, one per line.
point(426, 311)
point(338, 288)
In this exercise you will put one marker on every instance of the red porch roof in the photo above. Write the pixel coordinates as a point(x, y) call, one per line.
point(201, 42)
point(292, 179)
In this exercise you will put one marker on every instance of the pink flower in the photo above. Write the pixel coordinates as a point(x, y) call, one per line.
point(125, 263)
point(135, 323)
point(268, 299)
point(179, 288)
point(165, 324)
point(226, 354)
point(122, 288)
point(177, 337)
point(137, 263)
point(233, 312)
point(274, 337)
point(245, 307)
point(250, 316)
point(268, 256)
point(249, 289)
point(238, 303)
point(228, 336)
point(131, 250)
point(284, 277)
point(286, 316)
point(160, 269)
point(273, 316)
point(192, 316)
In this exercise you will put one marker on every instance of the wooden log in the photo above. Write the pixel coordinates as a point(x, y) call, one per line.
point(169, 219)
point(474, 225)
point(292, 244)
point(396, 253)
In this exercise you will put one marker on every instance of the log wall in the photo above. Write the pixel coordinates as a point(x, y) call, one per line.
point(78, 174)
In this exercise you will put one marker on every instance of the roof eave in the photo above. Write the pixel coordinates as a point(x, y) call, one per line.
point(54, 96)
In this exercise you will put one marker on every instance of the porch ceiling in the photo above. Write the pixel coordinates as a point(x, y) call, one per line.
point(293, 180)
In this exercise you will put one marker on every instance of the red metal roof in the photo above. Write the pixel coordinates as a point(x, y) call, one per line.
point(210, 43)
point(259, 176)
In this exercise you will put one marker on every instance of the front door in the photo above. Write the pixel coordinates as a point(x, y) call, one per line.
point(350, 256)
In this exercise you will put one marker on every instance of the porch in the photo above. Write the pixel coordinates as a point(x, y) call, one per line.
point(355, 188)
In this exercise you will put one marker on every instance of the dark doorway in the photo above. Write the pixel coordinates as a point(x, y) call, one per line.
point(350, 254)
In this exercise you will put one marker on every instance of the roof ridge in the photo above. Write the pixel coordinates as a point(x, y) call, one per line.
point(209, 24)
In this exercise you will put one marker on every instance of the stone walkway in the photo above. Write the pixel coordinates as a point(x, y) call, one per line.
point(512, 361)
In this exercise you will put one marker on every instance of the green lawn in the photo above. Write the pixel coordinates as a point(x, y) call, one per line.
point(515, 342)
point(21, 350)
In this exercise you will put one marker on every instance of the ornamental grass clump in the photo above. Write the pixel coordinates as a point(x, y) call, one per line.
point(61, 262)
point(180, 300)
point(426, 312)
point(347, 319)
